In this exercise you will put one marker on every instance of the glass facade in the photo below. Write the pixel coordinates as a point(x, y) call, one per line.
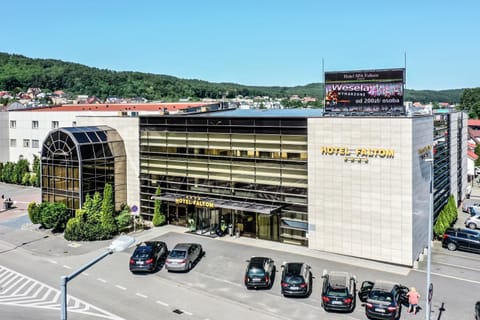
point(238, 163)
point(78, 161)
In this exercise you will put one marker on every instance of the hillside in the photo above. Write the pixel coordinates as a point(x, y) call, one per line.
point(17, 73)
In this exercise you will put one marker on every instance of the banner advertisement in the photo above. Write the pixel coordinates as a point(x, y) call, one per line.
point(364, 91)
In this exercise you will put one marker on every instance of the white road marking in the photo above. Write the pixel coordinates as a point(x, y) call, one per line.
point(187, 313)
point(31, 293)
point(120, 287)
point(450, 277)
point(66, 267)
point(102, 280)
point(52, 261)
point(162, 303)
point(141, 295)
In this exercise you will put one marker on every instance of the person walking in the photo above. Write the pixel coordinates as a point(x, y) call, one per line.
point(413, 297)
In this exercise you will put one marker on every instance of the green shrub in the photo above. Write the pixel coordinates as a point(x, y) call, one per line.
point(33, 213)
point(123, 220)
point(54, 216)
point(26, 179)
point(158, 219)
point(73, 231)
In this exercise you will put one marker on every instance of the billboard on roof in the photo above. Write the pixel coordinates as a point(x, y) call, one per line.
point(365, 91)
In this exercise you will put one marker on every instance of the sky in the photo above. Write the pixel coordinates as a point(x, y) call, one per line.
point(254, 42)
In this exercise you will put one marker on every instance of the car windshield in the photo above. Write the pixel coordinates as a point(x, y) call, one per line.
point(293, 279)
point(337, 291)
point(256, 272)
point(381, 296)
point(177, 254)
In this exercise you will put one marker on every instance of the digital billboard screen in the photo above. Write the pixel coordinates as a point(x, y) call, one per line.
point(364, 91)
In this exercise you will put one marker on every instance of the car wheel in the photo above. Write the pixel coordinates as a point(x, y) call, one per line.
point(472, 225)
point(452, 246)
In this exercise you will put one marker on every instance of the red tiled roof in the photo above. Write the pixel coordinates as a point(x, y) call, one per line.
point(473, 122)
point(167, 106)
point(472, 155)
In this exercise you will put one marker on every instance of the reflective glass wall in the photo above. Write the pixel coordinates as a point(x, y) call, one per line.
point(256, 160)
point(80, 160)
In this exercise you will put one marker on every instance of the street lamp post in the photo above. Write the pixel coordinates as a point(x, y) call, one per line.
point(119, 244)
point(429, 246)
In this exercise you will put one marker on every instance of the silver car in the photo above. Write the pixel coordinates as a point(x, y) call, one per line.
point(473, 222)
point(183, 256)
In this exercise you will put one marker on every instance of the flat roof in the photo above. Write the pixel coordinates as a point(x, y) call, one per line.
point(283, 113)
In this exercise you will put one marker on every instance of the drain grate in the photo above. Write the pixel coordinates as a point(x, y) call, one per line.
point(177, 311)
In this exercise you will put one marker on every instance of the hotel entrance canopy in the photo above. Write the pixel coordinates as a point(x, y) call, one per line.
point(208, 202)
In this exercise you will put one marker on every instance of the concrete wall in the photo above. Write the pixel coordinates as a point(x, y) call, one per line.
point(368, 209)
point(128, 128)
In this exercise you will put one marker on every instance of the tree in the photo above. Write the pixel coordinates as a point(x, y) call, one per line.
point(36, 171)
point(107, 211)
point(158, 217)
point(20, 168)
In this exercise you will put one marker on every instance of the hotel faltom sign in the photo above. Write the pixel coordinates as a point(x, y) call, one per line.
point(360, 155)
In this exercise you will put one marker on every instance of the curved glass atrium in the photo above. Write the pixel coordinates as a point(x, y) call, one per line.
point(77, 161)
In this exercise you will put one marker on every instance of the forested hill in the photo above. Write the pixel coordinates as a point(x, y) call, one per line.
point(17, 73)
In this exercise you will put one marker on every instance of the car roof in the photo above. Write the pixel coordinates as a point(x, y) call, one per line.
point(465, 230)
point(294, 267)
point(183, 246)
point(338, 279)
point(384, 285)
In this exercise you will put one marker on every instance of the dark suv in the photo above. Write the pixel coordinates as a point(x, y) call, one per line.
point(339, 291)
point(383, 299)
point(296, 279)
point(462, 239)
point(260, 273)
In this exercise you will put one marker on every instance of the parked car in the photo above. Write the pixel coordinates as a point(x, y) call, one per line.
point(339, 291)
point(477, 310)
point(296, 279)
point(383, 299)
point(461, 239)
point(473, 209)
point(473, 222)
point(260, 273)
point(147, 255)
point(184, 256)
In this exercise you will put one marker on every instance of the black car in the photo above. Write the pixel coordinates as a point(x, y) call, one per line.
point(296, 279)
point(477, 310)
point(148, 255)
point(462, 239)
point(260, 273)
point(339, 291)
point(383, 299)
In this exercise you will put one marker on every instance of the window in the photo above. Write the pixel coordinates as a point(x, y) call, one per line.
point(34, 143)
point(13, 124)
point(34, 124)
point(26, 143)
point(54, 124)
point(13, 143)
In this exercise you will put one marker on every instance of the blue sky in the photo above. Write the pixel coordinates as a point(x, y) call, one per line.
point(254, 42)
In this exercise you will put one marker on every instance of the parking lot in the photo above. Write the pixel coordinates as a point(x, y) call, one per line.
point(218, 276)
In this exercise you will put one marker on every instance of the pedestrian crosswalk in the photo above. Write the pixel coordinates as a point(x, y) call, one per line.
point(17, 289)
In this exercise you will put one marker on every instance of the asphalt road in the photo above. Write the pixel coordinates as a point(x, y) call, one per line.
point(35, 260)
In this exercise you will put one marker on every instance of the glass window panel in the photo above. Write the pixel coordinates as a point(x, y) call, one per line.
point(87, 152)
point(81, 137)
